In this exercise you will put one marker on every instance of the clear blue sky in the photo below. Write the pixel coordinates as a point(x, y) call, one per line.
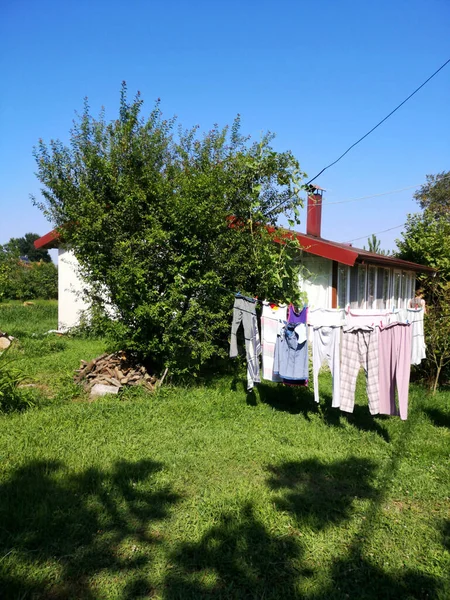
point(318, 74)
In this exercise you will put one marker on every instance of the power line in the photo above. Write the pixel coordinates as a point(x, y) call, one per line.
point(410, 187)
point(363, 237)
point(381, 122)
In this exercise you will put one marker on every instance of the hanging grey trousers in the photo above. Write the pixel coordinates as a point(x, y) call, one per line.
point(244, 312)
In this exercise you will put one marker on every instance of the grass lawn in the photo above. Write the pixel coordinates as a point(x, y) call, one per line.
point(212, 493)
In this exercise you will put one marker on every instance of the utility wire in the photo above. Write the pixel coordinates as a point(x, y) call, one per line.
point(363, 237)
point(410, 187)
point(381, 122)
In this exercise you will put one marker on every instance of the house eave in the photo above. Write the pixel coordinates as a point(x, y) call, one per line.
point(50, 240)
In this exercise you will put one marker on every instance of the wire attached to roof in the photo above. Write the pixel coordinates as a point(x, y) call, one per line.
point(381, 122)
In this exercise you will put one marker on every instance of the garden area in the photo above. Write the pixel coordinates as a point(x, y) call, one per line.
point(205, 491)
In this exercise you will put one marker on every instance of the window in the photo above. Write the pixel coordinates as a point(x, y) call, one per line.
point(374, 287)
point(362, 282)
point(343, 286)
point(382, 300)
point(397, 288)
point(371, 287)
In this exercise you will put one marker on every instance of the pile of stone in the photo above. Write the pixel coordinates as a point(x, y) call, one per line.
point(109, 373)
point(5, 341)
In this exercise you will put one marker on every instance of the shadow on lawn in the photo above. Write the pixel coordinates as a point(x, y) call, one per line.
point(301, 401)
point(240, 557)
point(73, 525)
point(438, 417)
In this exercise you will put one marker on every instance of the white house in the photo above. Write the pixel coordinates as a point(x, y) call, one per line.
point(334, 274)
point(337, 275)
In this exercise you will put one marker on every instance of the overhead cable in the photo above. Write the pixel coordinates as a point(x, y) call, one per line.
point(364, 237)
point(410, 187)
point(381, 122)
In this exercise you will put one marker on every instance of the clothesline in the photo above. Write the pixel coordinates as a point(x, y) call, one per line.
point(384, 342)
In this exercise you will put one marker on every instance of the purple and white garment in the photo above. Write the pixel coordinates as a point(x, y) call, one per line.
point(272, 321)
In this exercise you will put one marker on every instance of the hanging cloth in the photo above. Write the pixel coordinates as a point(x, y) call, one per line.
point(326, 325)
point(359, 349)
point(272, 318)
point(244, 311)
point(394, 351)
point(291, 357)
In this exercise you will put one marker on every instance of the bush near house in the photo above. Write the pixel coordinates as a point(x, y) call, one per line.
point(148, 213)
point(27, 281)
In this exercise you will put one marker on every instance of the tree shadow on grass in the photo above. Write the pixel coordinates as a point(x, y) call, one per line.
point(438, 417)
point(237, 558)
point(61, 529)
point(322, 494)
point(356, 577)
point(446, 534)
point(241, 557)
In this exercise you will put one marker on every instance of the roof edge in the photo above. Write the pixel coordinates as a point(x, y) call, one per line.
point(50, 240)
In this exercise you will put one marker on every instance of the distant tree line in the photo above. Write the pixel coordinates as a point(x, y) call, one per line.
point(26, 273)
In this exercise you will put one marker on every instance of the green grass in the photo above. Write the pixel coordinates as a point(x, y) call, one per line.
point(48, 360)
point(210, 493)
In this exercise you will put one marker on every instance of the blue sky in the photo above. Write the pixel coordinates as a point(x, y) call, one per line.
point(318, 74)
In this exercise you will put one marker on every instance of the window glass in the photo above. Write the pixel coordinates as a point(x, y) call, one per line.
point(371, 287)
point(408, 294)
point(382, 299)
point(397, 289)
point(361, 286)
point(342, 285)
point(353, 287)
point(403, 292)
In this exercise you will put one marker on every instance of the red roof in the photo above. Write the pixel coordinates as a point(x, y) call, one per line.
point(52, 239)
point(342, 253)
point(348, 255)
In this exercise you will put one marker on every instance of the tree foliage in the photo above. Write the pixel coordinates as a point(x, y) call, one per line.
point(426, 240)
point(437, 332)
point(434, 196)
point(374, 245)
point(19, 281)
point(24, 246)
point(166, 223)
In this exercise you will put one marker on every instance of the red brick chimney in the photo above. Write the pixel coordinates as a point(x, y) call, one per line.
point(314, 211)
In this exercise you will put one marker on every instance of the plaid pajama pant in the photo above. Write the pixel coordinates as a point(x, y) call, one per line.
point(359, 349)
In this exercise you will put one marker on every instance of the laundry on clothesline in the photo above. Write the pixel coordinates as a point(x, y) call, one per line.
point(383, 342)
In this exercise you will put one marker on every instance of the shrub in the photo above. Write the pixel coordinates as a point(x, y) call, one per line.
point(19, 281)
point(11, 397)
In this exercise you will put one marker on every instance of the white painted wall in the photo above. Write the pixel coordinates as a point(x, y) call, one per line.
point(316, 280)
point(71, 304)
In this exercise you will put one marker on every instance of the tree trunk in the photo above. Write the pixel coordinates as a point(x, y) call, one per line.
point(436, 381)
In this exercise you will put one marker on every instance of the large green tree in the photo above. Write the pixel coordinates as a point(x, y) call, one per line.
point(24, 246)
point(434, 195)
point(426, 240)
point(165, 224)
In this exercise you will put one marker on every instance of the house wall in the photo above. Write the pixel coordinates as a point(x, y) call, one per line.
point(361, 286)
point(71, 304)
point(316, 280)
